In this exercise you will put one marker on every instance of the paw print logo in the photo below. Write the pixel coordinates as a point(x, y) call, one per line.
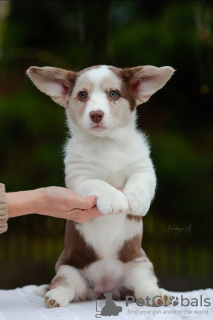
point(174, 302)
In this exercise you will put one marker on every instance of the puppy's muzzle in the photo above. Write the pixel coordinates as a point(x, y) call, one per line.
point(96, 116)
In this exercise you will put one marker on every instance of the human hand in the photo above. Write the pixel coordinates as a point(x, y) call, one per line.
point(64, 203)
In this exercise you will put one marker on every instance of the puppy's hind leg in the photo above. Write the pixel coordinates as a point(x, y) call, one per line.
point(143, 282)
point(66, 286)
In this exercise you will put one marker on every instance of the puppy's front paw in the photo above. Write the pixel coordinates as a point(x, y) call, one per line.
point(56, 298)
point(139, 202)
point(113, 202)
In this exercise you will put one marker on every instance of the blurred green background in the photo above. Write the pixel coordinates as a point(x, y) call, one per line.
point(178, 121)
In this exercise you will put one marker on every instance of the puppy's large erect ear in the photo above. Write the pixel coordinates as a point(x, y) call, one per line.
point(56, 83)
point(146, 80)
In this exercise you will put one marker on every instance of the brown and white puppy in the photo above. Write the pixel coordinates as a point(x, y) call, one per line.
point(106, 152)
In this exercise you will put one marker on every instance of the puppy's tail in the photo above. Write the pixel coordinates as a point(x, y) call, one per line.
point(42, 290)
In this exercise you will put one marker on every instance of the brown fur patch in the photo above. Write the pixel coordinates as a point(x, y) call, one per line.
point(110, 83)
point(132, 217)
point(77, 106)
point(77, 253)
point(83, 84)
point(128, 74)
point(71, 78)
point(131, 249)
point(125, 76)
point(58, 281)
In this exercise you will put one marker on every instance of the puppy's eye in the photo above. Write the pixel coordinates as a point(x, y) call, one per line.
point(113, 94)
point(82, 94)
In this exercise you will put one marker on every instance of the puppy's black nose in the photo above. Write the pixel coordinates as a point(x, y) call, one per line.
point(96, 116)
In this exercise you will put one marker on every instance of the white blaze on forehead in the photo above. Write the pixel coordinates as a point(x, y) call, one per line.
point(97, 74)
point(101, 78)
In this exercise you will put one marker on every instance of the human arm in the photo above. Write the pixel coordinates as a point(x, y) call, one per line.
point(51, 201)
point(3, 209)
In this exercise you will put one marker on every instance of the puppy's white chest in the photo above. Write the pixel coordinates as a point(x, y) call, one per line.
point(104, 159)
point(107, 234)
